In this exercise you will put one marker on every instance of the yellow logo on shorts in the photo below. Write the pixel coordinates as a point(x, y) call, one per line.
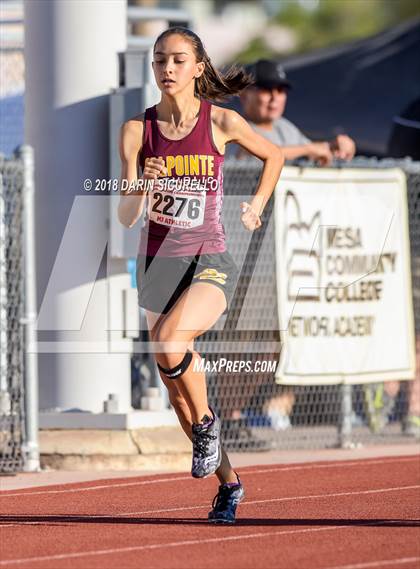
point(212, 275)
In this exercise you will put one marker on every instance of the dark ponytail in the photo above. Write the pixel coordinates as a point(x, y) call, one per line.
point(212, 84)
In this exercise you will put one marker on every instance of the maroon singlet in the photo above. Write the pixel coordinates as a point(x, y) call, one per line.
point(183, 213)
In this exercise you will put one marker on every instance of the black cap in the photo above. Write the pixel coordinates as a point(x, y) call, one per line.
point(268, 74)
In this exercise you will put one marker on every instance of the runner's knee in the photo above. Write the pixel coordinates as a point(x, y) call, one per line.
point(171, 346)
point(167, 333)
point(177, 370)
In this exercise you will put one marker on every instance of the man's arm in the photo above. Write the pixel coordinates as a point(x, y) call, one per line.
point(299, 146)
point(342, 147)
point(318, 151)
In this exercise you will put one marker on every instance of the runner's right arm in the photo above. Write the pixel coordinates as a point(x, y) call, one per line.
point(133, 193)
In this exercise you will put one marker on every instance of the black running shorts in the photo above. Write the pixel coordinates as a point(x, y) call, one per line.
point(162, 280)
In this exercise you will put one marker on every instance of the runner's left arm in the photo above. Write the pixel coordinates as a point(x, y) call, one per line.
point(236, 129)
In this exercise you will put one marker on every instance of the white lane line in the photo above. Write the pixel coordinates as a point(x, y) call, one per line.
point(286, 499)
point(206, 506)
point(24, 523)
point(164, 545)
point(383, 563)
point(344, 464)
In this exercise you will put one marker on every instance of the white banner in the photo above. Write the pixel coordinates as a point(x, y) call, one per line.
point(343, 276)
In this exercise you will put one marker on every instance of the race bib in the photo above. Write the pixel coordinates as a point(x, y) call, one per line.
point(182, 210)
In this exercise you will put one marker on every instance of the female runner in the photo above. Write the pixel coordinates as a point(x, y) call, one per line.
point(185, 275)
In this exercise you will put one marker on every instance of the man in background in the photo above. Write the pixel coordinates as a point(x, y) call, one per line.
point(263, 106)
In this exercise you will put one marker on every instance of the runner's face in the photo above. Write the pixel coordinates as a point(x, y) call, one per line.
point(175, 65)
point(262, 105)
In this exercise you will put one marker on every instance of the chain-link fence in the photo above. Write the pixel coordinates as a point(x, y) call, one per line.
point(12, 426)
point(259, 414)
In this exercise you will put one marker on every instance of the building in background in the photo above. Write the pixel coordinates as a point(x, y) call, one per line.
point(357, 88)
point(12, 75)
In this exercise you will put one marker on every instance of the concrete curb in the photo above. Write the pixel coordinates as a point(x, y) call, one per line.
point(171, 463)
point(166, 448)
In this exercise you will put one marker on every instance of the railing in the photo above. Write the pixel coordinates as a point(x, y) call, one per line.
point(137, 14)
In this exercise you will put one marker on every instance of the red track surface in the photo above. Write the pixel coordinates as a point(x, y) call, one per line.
point(348, 515)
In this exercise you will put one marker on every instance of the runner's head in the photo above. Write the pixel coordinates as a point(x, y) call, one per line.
point(266, 99)
point(181, 60)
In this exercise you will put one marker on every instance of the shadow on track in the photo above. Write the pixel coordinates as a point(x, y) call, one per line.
point(276, 522)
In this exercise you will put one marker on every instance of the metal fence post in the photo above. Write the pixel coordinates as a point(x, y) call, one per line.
point(4, 393)
point(345, 427)
point(31, 446)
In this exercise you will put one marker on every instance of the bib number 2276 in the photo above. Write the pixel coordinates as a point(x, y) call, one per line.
point(183, 210)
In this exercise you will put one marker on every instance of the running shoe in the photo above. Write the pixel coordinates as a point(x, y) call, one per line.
point(225, 503)
point(207, 449)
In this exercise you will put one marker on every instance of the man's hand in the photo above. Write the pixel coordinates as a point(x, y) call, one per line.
point(343, 147)
point(249, 217)
point(320, 152)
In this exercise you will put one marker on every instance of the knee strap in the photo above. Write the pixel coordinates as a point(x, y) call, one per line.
point(179, 369)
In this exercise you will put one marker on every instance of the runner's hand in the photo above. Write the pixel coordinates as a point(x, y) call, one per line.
point(250, 219)
point(153, 168)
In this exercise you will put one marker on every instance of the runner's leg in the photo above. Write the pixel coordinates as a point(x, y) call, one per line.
point(196, 311)
point(225, 472)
